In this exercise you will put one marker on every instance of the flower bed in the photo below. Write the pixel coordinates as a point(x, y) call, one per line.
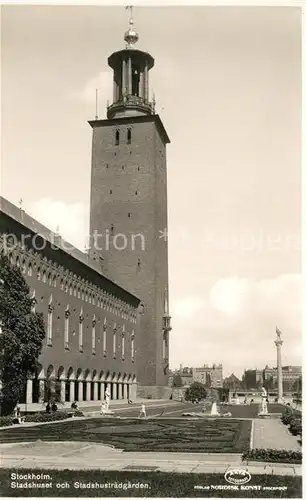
point(269, 455)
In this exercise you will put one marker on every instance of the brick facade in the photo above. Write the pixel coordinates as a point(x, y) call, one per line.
point(91, 323)
point(129, 197)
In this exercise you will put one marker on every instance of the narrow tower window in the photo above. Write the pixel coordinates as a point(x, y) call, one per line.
point(81, 320)
point(123, 342)
point(93, 335)
point(104, 337)
point(67, 314)
point(114, 340)
point(129, 136)
point(133, 346)
point(117, 138)
point(50, 321)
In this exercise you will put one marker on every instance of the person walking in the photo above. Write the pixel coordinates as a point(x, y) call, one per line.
point(143, 413)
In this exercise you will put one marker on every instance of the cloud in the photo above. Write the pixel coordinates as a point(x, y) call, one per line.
point(70, 219)
point(102, 82)
point(235, 323)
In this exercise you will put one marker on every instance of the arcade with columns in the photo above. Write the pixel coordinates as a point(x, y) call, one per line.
point(78, 385)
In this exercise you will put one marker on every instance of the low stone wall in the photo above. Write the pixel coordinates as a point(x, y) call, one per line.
point(153, 392)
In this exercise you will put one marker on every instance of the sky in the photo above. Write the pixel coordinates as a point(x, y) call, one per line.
point(227, 82)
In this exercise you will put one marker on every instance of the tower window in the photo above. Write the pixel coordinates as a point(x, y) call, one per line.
point(110, 191)
point(129, 136)
point(117, 138)
point(122, 167)
point(136, 192)
point(107, 165)
point(129, 215)
point(135, 80)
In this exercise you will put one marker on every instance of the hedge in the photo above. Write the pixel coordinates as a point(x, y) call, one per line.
point(8, 420)
point(47, 417)
point(270, 455)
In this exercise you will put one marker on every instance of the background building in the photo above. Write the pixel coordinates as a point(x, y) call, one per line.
point(211, 376)
point(233, 383)
point(292, 378)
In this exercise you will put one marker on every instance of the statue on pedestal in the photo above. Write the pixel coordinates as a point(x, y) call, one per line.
point(105, 403)
point(264, 404)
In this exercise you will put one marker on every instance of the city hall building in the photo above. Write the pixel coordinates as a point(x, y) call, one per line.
point(106, 310)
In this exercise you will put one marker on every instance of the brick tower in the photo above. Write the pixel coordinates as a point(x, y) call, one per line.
point(129, 206)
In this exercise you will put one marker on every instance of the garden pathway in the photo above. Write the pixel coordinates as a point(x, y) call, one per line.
point(272, 433)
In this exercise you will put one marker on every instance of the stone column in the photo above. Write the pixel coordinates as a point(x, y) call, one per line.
point(146, 82)
point(115, 390)
point(279, 344)
point(133, 391)
point(88, 391)
point(95, 391)
point(141, 88)
point(63, 391)
point(102, 392)
point(80, 390)
point(129, 76)
point(125, 395)
point(41, 391)
point(124, 89)
point(29, 397)
point(114, 91)
point(71, 390)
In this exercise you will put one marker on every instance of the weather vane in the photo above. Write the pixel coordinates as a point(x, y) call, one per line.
point(130, 8)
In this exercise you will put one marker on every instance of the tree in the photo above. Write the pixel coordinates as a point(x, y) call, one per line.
point(223, 394)
point(177, 380)
point(195, 392)
point(22, 334)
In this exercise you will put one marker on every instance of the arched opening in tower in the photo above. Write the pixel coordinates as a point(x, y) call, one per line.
point(135, 80)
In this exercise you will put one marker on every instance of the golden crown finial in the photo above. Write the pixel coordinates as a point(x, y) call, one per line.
point(130, 36)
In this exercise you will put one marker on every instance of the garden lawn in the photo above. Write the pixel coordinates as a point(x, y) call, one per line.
point(180, 435)
point(148, 484)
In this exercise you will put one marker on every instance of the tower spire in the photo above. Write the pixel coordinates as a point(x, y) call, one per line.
point(130, 36)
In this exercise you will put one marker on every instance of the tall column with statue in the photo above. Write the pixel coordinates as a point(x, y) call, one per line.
point(279, 342)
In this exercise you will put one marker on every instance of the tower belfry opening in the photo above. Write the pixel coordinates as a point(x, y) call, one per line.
point(130, 78)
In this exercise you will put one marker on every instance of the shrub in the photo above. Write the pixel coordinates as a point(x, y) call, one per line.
point(47, 417)
point(78, 413)
point(8, 420)
point(296, 427)
point(269, 455)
